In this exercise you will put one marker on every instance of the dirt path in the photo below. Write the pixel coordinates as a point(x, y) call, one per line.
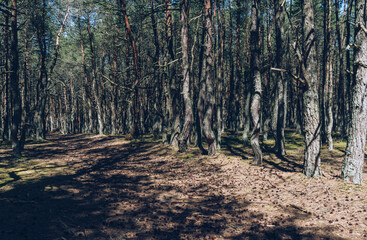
point(88, 187)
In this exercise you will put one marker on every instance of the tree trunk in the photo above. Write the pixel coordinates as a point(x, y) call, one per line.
point(186, 130)
point(208, 89)
point(219, 105)
point(135, 127)
point(327, 77)
point(311, 117)
point(341, 85)
point(7, 99)
point(256, 77)
point(281, 90)
point(96, 96)
point(354, 154)
point(14, 82)
point(86, 93)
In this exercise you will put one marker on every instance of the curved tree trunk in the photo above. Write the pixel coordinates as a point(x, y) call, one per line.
point(354, 153)
point(255, 68)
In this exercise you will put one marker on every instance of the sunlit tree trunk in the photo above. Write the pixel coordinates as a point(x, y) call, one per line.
point(256, 78)
point(355, 152)
point(311, 124)
point(186, 130)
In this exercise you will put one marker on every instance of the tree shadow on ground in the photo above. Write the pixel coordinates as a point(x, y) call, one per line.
point(234, 146)
point(125, 191)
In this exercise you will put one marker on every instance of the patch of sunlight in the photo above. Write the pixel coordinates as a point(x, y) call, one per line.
point(50, 188)
point(270, 208)
point(5, 180)
point(274, 160)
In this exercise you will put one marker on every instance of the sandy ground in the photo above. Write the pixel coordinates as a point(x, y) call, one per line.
point(89, 187)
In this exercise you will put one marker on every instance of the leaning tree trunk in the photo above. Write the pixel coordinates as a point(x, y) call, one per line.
point(14, 82)
point(354, 153)
point(311, 117)
point(186, 130)
point(256, 77)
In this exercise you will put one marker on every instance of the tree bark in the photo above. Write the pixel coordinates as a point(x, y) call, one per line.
point(354, 154)
point(7, 100)
point(341, 85)
point(327, 78)
point(208, 88)
point(86, 92)
point(256, 77)
point(281, 90)
point(14, 82)
point(186, 130)
point(135, 127)
point(96, 96)
point(311, 117)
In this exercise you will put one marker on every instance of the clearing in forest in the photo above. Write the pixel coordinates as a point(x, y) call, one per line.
point(104, 187)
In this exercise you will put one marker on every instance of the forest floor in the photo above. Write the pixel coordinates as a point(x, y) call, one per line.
point(106, 187)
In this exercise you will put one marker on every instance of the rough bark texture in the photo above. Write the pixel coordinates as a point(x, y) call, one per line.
point(311, 119)
point(281, 90)
point(207, 111)
point(354, 153)
point(256, 77)
point(327, 117)
point(186, 130)
point(14, 82)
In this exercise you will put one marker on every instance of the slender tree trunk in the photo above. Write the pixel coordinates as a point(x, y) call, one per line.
point(186, 130)
point(86, 93)
point(256, 77)
point(355, 152)
point(220, 101)
point(231, 83)
point(348, 67)
point(247, 92)
point(135, 127)
point(281, 90)
point(7, 98)
point(311, 117)
point(96, 96)
point(14, 82)
point(206, 111)
point(25, 99)
point(327, 77)
point(330, 118)
point(341, 85)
